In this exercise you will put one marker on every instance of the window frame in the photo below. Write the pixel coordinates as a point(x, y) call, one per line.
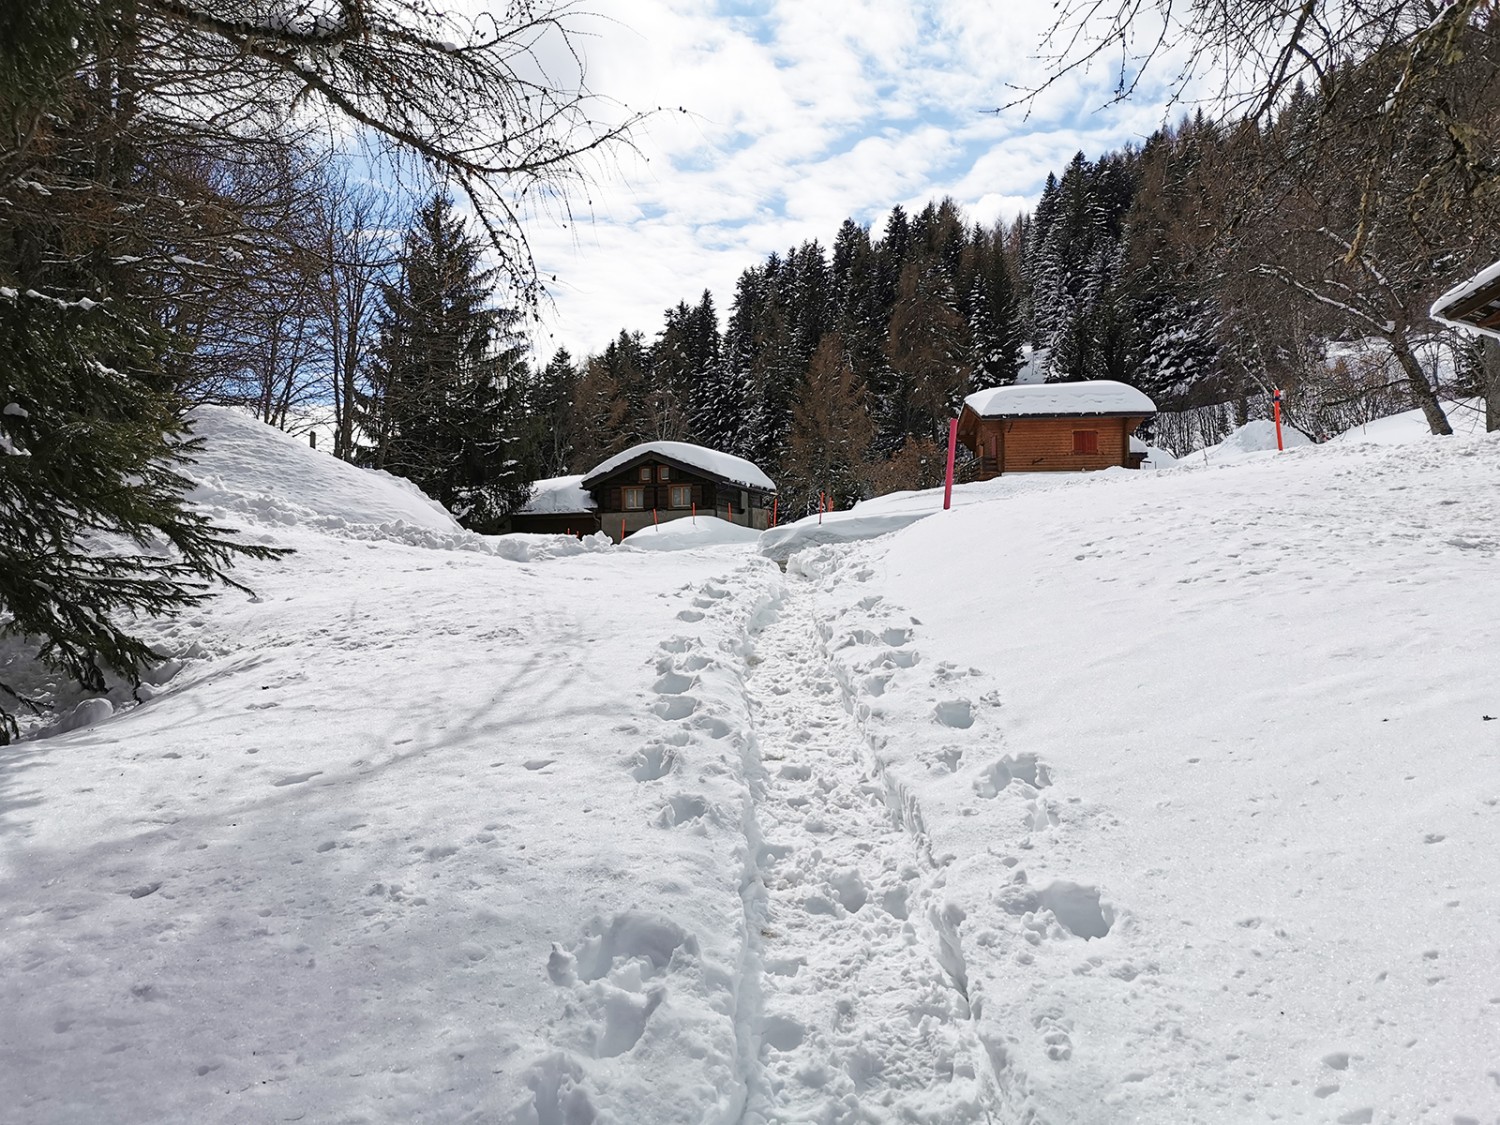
point(663, 472)
point(1085, 443)
point(640, 495)
point(643, 475)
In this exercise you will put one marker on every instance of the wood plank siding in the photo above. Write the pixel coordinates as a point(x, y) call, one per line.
point(1049, 444)
point(727, 501)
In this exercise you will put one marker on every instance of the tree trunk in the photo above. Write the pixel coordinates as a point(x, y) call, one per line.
point(1491, 384)
point(1421, 389)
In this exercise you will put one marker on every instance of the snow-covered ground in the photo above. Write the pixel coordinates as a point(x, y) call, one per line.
point(1158, 796)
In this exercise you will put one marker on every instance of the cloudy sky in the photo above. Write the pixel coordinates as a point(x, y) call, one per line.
point(799, 113)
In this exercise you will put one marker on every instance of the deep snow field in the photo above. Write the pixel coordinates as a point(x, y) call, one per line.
point(1167, 796)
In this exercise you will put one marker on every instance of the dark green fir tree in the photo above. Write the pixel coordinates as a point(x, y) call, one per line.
point(447, 382)
point(95, 530)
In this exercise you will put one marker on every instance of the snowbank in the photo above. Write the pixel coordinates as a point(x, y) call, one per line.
point(725, 465)
point(1254, 437)
point(780, 543)
point(686, 534)
point(258, 473)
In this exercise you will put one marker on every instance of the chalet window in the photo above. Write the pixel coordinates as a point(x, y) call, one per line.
point(635, 499)
point(1085, 441)
point(663, 472)
point(645, 474)
point(682, 496)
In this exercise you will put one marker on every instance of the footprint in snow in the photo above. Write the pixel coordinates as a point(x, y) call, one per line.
point(675, 707)
point(957, 713)
point(296, 778)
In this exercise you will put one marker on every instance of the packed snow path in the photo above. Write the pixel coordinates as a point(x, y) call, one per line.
point(860, 1020)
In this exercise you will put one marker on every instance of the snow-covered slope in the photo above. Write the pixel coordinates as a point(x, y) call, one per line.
point(1207, 768)
point(1161, 797)
point(257, 472)
point(1465, 416)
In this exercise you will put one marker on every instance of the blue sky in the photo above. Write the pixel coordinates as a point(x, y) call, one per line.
point(798, 114)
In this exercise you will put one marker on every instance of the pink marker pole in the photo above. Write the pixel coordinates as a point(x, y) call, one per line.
point(952, 447)
point(1276, 408)
point(820, 507)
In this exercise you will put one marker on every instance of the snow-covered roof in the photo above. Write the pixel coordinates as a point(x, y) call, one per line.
point(725, 466)
point(558, 496)
point(1096, 396)
point(1451, 308)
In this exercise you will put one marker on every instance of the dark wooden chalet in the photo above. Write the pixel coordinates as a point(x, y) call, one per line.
point(651, 483)
point(669, 480)
point(1054, 427)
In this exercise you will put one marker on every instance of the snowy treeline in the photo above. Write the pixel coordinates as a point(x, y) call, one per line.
point(1206, 266)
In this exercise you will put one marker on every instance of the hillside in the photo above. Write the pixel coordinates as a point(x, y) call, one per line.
point(1161, 796)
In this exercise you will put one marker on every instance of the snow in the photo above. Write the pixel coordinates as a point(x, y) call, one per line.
point(1465, 416)
point(1123, 796)
point(1463, 291)
point(1094, 396)
point(692, 532)
point(725, 465)
point(256, 471)
point(1254, 437)
point(559, 496)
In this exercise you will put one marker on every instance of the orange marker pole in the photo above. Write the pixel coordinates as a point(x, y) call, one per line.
point(1276, 408)
point(820, 507)
point(622, 529)
point(653, 520)
point(695, 513)
point(948, 479)
point(774, 501)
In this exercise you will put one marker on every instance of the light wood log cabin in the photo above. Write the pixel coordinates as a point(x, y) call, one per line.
point(1054, 427)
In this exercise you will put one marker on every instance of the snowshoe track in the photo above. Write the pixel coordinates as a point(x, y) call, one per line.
point(862, 1014)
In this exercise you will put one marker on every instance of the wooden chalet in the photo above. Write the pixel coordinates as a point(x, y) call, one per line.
point(668, 480)
point(648, 484)
point(1475, 304)
point(558, 506)
point(1054, 427)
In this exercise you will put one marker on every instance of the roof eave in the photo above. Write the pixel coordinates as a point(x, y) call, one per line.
point(590, 482)
point(1068, 414)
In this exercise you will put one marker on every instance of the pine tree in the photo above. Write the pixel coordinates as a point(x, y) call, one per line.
point(95, 530)
point(548, 408)
point(443, 406)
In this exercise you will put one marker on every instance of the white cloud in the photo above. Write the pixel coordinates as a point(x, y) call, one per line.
point(796, 118)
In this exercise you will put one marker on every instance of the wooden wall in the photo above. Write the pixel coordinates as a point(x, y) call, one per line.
point(1042, 445)
point(712, 498)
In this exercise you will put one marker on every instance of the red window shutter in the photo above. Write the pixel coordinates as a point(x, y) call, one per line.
point(1085, 441)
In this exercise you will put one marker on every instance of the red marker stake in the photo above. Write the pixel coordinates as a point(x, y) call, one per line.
point(948, 480)
point(653, 520)
point(820, 507)
point(695, 515)
point(774, 501)
point(1276, 408)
